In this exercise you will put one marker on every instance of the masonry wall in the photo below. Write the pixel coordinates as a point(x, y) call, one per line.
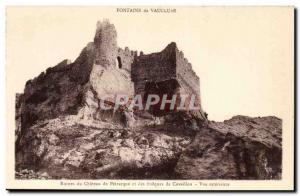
point(153, 67)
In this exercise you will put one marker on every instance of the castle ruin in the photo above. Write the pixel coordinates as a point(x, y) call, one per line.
point(62, 130)
point(165, 72)
point(103, 68)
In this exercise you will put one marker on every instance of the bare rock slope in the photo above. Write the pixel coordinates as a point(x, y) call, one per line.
point(240, 148)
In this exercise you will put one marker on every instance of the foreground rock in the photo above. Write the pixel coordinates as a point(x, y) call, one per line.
point(239, 148)
point(67, 147)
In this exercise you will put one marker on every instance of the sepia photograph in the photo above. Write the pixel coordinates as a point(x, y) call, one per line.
point(150, 98)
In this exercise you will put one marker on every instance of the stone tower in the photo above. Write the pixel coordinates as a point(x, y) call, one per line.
point(105, 42)
point(106, 77)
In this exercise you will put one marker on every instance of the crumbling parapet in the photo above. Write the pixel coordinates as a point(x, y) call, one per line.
point(187, 78)
point(125, 58)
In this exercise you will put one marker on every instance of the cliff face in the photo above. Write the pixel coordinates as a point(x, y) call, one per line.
point(62, 132)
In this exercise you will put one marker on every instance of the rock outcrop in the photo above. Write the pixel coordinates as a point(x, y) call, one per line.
point(239, 148)
point(70, 148)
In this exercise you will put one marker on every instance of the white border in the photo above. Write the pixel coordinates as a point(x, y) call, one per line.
point(5, 3)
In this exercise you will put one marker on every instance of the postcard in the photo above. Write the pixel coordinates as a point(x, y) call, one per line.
point(150, 98)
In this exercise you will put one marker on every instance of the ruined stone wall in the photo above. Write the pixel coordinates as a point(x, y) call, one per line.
point(166, 65)
point(57, 91)
point(186, 77)
point(153, 67)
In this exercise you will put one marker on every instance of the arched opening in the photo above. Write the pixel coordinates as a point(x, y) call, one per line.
point(119, 62)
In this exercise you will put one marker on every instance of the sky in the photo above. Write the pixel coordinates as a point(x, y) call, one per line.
point(243, 56)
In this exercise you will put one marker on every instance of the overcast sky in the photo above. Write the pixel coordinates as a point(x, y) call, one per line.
point(243, 56)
